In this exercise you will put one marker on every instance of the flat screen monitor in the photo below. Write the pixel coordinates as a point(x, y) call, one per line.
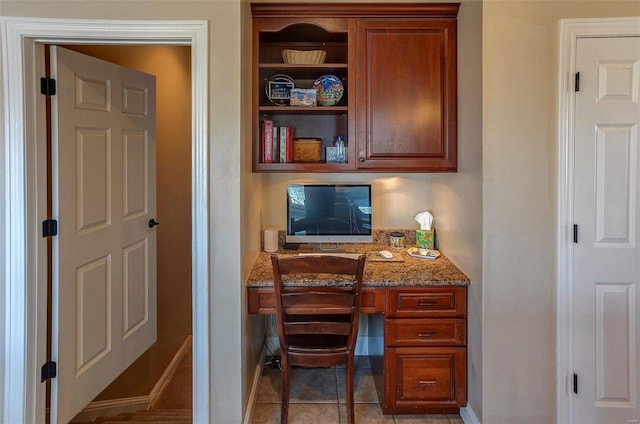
point(329, 213)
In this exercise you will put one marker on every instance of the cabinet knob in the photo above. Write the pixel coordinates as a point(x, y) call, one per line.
point(361, 156)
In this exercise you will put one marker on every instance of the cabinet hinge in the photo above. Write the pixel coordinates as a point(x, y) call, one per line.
point(49, 370)
point(577, 82)
point(575, 233)
point(49, 228)
point(47, 86)
point(575, 383)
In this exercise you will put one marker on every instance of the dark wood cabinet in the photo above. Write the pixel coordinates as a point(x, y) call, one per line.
point(397, 64)
point(425, 355)
point(423, 369)
point(424, 379)
point(406, 112)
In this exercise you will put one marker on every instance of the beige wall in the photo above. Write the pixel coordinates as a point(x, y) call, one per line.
point(519, 66)
point(252, 189)
point(457, 198)
point(396, 198)
point(520, 51)
point(172, 67)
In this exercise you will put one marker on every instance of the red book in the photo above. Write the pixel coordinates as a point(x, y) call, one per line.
point(267, 141)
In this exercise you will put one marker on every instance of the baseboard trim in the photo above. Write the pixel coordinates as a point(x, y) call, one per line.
point(468, 416)
point(253, 395)
point(166, 376)
point(113, 407)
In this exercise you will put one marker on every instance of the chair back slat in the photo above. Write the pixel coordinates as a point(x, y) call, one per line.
point(318, 311)
point(318, 327)
point(315, 310)
point(318, 265)
point(318, 299)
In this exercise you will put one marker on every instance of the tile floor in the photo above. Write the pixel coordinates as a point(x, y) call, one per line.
point(318, 397)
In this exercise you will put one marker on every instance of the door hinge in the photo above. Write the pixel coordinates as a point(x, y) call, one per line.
point(49, 370)
point(49, 228)
point(577, 82)
point(575, 383)
point(575, 233)
point(47, 86)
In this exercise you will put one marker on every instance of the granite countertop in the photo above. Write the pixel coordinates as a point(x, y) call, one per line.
point(402, 270)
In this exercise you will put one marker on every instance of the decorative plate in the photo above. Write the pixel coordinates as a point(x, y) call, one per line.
point(330, 90)
point(278, 89)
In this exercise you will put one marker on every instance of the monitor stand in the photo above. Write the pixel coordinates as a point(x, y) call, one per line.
point(333, 248)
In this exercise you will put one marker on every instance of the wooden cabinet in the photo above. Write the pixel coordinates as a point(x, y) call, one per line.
point(397, 64)
point(423, 368)
point(406, 112)
point(425, 361)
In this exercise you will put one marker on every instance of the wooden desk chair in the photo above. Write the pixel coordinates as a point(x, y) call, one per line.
point(317, 326)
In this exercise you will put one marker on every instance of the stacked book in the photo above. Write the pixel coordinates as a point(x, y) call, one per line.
point(277, 143)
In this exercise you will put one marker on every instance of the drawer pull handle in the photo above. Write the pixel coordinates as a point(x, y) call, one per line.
point(431, 334)
point(426, 381)
point(427, 303)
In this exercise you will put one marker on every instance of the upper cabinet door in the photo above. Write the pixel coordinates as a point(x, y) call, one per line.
point(406, 105)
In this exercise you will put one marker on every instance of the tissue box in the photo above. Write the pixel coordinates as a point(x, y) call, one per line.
point(425, 239)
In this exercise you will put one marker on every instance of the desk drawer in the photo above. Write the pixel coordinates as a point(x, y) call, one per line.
point(446, 301)
point(425, 332)
point(424, 380)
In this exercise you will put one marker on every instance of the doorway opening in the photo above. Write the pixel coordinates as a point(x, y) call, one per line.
point(26, 252)
point(571, 30)
point(139, 385)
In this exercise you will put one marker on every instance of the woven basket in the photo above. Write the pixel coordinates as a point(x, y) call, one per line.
point(307, 150)
point(303, 57)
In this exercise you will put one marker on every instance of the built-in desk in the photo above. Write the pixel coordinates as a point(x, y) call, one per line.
point(424, 303)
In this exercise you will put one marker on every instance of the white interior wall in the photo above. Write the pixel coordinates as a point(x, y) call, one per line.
point(3, 254)
point(520, 51)
point(227, 351)
point(457, 198)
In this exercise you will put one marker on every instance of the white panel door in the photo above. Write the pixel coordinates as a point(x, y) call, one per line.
point(104, 257)
point(606, 268)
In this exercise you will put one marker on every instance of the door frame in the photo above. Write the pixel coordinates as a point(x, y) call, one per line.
point(570, 31)
point(24, 251)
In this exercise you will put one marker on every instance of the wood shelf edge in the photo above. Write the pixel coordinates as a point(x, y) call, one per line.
point(418, 10)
